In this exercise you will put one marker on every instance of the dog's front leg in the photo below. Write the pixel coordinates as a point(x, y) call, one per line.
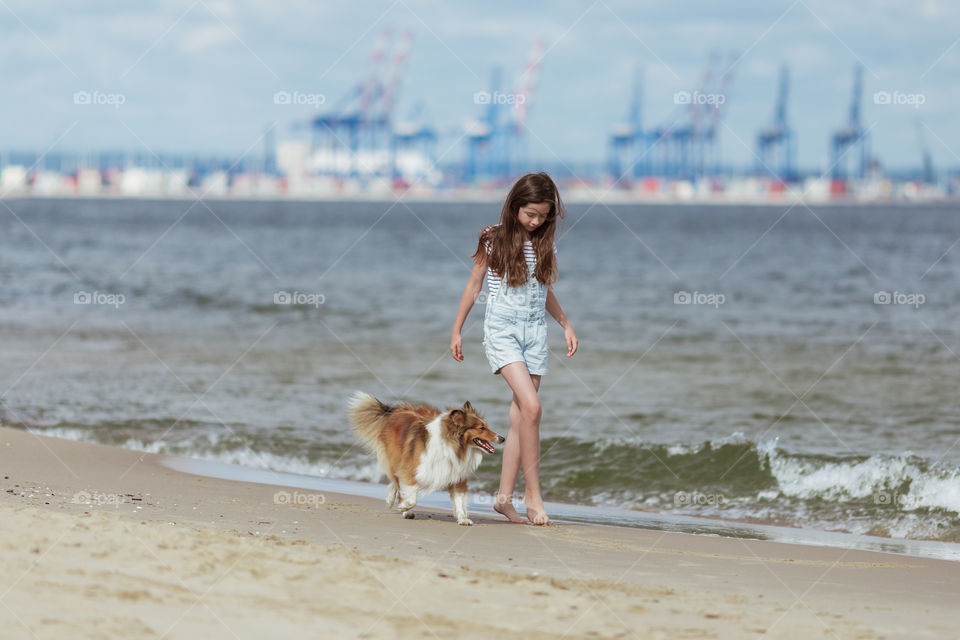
point(458, 497)
point(391, 494)
point(408, 499)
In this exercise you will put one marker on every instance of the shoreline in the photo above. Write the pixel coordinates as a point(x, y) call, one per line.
point(571, 513)
point(453, 197)
point(153, 551)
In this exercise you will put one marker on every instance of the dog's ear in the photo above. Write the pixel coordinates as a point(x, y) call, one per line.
point(467, 407)
point(458, 418)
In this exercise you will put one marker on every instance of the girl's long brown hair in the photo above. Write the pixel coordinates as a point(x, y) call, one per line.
point(506, 239)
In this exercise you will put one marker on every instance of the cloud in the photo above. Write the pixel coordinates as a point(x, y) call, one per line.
point(200, 39)
point(219, 92)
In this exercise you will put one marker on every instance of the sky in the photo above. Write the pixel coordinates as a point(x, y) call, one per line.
point(200, 76)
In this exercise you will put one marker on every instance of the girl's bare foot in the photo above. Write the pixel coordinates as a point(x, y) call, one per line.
point(504, 506)
point(536, 513)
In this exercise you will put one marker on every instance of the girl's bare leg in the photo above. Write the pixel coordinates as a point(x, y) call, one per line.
point(511, 467)
point(525, 433)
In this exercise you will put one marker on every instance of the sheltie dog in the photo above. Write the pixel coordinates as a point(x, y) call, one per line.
point(422, 448)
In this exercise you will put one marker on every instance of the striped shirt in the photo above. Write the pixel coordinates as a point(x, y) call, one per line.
point(494, 282)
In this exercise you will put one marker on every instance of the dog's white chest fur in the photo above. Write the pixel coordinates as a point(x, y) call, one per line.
point(439, 464)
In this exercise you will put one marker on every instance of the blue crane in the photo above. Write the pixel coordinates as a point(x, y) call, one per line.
point(852, 135)
point(627, 151)
point(362, 119)
point(708, 152)
point(777, 137)
point(494, 140)
point(688, 147)
point(341, 129)
point(484, 136)
point(413, 136)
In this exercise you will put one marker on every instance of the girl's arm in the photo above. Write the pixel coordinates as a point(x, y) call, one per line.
point(553, 307)
point(470, 293)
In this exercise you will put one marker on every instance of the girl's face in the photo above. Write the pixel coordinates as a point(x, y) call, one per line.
point(533, 215)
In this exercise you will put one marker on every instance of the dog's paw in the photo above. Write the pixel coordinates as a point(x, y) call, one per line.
point(409, 515)
point(466, 522)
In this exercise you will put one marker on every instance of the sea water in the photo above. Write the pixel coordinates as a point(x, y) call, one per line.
point(779, 365)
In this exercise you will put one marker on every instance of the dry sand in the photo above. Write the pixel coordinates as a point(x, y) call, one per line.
point(156, 553)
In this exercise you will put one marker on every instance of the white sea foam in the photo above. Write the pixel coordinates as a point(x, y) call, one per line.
point(891, 480)
point(212, 448)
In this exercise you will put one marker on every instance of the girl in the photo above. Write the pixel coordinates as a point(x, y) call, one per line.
point(518, 258)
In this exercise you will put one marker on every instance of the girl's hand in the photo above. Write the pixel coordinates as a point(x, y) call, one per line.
point(456, 347)
point(571, 339)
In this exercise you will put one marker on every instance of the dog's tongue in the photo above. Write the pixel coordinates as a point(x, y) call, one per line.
point(483, 444)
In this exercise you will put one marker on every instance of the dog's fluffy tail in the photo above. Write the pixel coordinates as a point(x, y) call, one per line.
point(367, 417)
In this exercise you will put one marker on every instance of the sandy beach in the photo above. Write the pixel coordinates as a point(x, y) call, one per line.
point(102, 542)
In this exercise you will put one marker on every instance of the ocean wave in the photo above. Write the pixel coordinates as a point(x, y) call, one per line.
point(350, 464)
point(901, 496)
point(905, 482)
point(897, 496)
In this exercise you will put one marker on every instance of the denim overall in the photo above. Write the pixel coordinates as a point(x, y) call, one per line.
point(515, 325)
